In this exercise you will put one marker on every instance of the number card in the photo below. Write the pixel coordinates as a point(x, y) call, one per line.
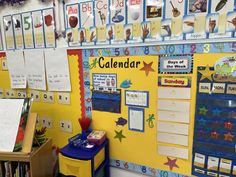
point(49, 28)
point(8, 31)
point(28, 30)
point(86, 14)
point(17, 26)
point(101, 12)
point(72, 17)
point(38, 29)
point(135, 11)
point(117, 11)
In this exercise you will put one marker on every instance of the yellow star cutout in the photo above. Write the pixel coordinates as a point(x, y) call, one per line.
point(206, 73)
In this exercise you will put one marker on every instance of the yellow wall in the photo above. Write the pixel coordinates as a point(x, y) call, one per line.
point(137, 147)
point(57, 111)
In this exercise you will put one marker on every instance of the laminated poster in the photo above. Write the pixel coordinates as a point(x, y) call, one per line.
point(117, 11)
point(154, 10)
point(18, 31)
point(9, 35)
point(49, 28)
point(72, 18)
point(38, 29)
point(101, 12)
point(86, 14)
point(135, 11)
point(28, 30)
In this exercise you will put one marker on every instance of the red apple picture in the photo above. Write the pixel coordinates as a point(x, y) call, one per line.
point(48, 20)
point(73, 21)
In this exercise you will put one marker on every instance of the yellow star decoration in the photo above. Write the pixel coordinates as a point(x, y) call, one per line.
point(206, 73)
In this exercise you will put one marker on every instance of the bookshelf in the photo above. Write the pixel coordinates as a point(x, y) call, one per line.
point(39, 160)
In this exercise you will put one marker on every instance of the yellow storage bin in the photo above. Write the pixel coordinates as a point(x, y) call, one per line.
point(74, 167)
point(80, 168)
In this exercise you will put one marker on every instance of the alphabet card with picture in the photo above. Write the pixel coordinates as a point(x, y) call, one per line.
point(38, 29)
point(101, 20)
point(231, 22)
point(197, 6)
point(175, 9)
point(72, 24)
point(8, 31)
point(18, 31)
point(118, 11)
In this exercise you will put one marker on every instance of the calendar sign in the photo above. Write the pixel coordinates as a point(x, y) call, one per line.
point(38, 29)
point(28, 30)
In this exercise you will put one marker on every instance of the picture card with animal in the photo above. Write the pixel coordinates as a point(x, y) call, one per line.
point(231, 22)
point(101, 13)
point(172, 151)
point(188, 24)
point(155, 31)
point(128, 33)
point(28, 30)
point(222, 6)
point(38, 29)
point(8, 31)
point(199, 160)
point(166, 28)
point(49, 28)
point(212, 22)
point(118, 11)
point(174, 9)
point(154, 10)
point(197, 6)
point(72, 16)
point(18, 31)
point(135, 11)
point(86, 14)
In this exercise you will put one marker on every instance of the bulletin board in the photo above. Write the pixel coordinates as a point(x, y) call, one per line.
point(151, 70)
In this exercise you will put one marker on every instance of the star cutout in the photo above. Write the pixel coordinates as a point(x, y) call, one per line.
point(216, 112)
point(201, 133)
point(119, 135)
point(228, 125)
point(202, 122)
point(228, 137)
point(203, 111)
point(206, 73)
point(171, 163)
point(214, 135)
point(147, 68)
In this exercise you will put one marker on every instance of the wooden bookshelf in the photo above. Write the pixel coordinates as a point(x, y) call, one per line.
point(40, 159)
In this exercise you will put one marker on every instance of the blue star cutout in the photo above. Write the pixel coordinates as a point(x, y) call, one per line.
point(216, 112)
point(202, 122)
